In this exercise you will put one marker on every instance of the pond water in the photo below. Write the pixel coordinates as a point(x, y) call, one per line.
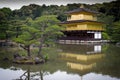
point(70, 62)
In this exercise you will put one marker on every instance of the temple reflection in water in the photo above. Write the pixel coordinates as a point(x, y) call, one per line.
point(84, 58)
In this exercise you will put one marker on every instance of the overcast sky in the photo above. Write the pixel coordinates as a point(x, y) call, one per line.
point(17, 4)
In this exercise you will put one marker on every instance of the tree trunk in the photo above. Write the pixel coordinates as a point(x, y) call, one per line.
point(17, 30)
point(28, 51)
point(6, 37)
point(40, 48)
point(41, 42)
point(28, 73)
point(41, 75)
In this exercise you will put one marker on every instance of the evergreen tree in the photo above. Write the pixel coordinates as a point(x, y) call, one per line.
point(48, 28)
point(116, 32)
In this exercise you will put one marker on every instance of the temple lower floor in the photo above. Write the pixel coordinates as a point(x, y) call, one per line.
point(82, 35)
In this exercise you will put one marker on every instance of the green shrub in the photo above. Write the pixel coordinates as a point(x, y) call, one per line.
point(105, 36)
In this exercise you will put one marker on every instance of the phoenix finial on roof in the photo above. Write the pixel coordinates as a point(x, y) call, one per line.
point(82, 6)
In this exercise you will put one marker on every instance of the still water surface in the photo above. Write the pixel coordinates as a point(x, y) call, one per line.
point(73, 62)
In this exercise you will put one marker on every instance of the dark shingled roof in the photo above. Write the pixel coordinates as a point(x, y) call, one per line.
point(78, 21)
point(81, 10)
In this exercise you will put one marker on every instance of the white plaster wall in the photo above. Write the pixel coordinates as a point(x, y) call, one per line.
point(97, 35)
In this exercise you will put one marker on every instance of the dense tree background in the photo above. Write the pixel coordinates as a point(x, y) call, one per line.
point(109, 14)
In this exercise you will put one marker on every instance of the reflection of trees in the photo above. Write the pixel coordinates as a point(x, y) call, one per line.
point(29, 75)
point(5, 64)
point(111, 63)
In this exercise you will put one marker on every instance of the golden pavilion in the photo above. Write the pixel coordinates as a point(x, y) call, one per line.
point(82, 25)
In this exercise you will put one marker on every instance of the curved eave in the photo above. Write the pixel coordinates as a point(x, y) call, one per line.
point(80, 21)
point(101, 30)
